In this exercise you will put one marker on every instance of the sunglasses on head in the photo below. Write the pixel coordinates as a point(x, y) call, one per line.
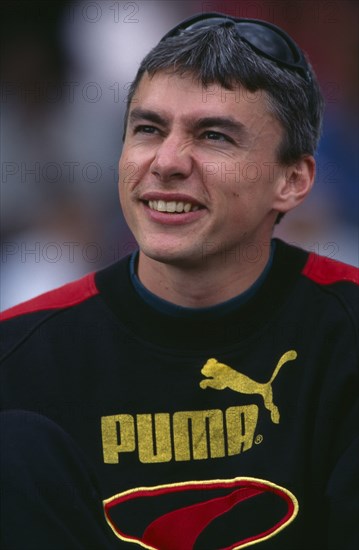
point(264, 38)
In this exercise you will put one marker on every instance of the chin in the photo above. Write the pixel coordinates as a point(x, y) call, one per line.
point(172, 255)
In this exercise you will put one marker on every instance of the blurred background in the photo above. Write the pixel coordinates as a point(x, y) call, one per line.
point(65, 71)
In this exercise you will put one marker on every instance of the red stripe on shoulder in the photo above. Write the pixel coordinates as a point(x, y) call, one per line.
point(326, 271)
point(67, 295)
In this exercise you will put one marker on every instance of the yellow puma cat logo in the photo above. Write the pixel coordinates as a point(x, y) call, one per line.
point(221, 376)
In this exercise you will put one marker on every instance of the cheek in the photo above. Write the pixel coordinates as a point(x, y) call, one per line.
point(130, 175)
point(128, 182)
point(133, 165)
point(123, 201)
point(242, 202)
point(127, 169)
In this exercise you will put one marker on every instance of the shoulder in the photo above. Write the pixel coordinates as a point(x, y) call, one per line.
point(326, 271)
point(19, 321)
point(337, 282)
point(65, 296)
point(320, 285)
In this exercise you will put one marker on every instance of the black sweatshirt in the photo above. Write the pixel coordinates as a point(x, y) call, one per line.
point(216, 429)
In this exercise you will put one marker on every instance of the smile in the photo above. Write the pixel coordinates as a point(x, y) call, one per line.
point(172, 206)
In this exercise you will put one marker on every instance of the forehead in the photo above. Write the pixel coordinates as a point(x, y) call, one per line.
point(177, 95)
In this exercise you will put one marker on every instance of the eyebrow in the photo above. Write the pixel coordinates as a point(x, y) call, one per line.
point(236, 128)
point(144, 114)
point(239, 130)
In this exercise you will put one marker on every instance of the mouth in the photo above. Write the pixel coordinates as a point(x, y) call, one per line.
point(172, 207)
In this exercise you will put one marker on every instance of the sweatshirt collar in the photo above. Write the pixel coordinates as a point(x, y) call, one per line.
point(218, 310)
point(204, 330)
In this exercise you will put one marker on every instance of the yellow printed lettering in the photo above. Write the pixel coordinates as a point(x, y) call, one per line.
point(240, 423)
point(118, 436)
point(154, 437)
point(198, 434)
point(194, 435)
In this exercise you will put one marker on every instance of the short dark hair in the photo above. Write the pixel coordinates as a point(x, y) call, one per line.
point(216, 55)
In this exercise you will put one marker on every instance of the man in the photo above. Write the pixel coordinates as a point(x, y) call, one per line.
point(203, 389)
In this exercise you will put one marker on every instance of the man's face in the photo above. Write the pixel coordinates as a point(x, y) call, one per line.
point(198, 170)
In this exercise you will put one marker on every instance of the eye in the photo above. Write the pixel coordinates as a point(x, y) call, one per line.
point(211, 135)
point(145, 129)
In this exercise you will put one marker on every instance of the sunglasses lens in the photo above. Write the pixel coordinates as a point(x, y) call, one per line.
point(263, 37)
point(210, 22)
point(267, 41)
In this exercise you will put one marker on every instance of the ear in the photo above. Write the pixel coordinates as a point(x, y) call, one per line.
point(295, 184)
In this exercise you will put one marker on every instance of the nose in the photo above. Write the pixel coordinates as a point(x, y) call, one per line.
point(173, 159)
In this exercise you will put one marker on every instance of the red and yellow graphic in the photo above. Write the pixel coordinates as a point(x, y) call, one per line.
point(212, 514)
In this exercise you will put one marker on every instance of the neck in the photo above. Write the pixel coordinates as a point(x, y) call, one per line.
point(211, 282)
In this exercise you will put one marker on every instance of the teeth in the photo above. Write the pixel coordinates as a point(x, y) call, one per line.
point(172, 206)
